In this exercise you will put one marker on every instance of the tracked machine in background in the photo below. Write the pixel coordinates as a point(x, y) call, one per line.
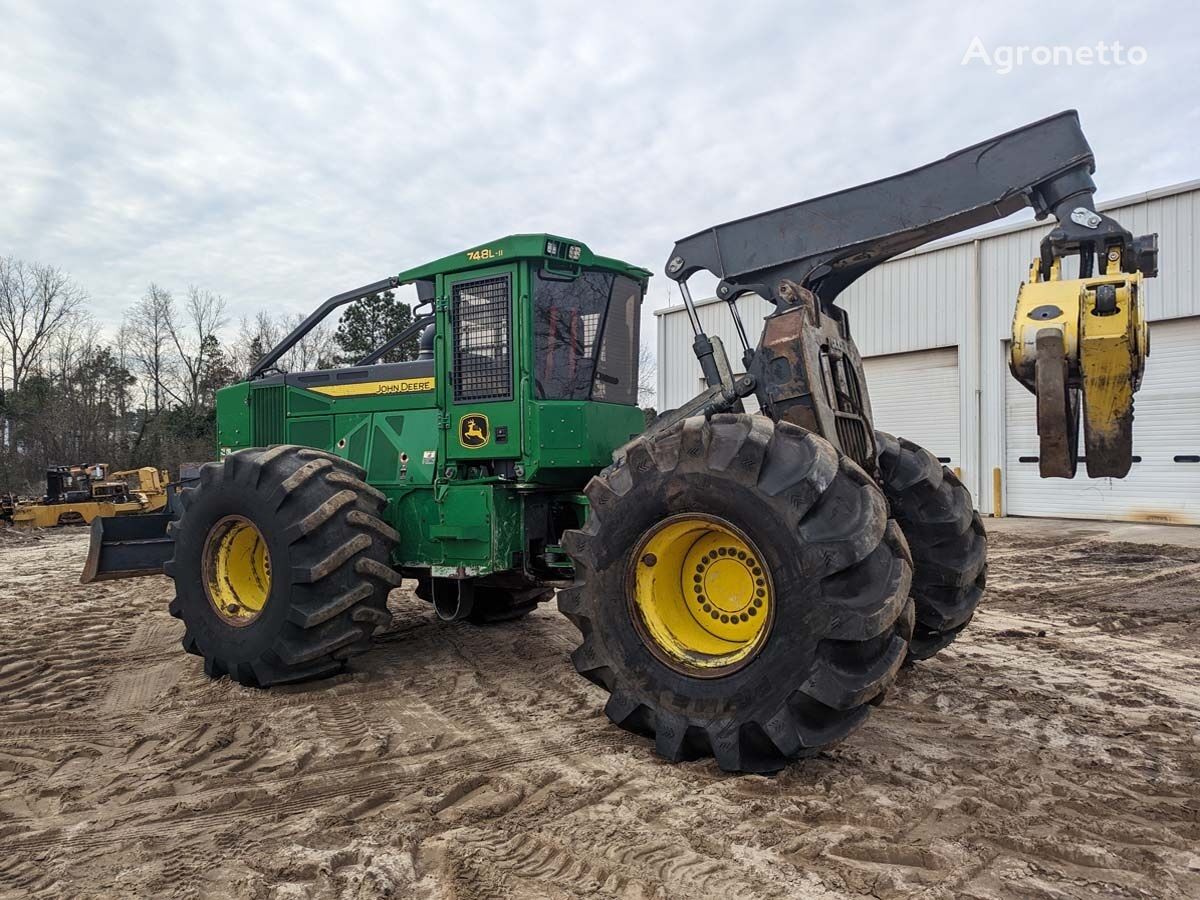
point(746, 586)
point(78, 495)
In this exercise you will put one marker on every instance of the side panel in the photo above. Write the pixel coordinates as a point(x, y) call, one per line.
point(352, 432)
point(233, 417)
point(403, 449)
point(459, 529)
point(311, 431)
point(566, 434)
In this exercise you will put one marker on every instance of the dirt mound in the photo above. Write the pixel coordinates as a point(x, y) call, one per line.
point(1053, 751)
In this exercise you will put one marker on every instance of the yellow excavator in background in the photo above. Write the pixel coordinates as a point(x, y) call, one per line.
point(75, 495)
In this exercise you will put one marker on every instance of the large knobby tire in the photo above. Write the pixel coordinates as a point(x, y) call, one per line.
point(327, 552)
point(945, 535)
point(839, 567)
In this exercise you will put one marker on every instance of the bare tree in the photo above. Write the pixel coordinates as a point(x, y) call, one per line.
point(61, 429)
point(315, 350)
point(148, 332)
point(258, 335)
point(255, 337)
point(647, 377)
point(36, 301)
point(193, 338)
point(77, 337)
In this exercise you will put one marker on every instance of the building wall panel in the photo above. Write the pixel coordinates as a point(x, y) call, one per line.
point(961, 294)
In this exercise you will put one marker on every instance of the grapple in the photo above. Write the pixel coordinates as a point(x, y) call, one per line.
point(1080, 345)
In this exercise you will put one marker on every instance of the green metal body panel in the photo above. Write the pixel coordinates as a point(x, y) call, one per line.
point(462, 510)
point(233, 416)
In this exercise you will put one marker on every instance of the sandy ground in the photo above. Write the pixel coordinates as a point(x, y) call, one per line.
point(1054, 752)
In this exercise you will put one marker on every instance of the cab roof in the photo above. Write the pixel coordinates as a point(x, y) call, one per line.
point(553, 248)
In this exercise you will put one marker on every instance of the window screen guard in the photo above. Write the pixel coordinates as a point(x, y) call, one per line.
point(481, 322)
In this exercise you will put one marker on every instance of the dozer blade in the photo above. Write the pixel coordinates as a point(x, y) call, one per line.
point(1081, 343)
point(128, 547)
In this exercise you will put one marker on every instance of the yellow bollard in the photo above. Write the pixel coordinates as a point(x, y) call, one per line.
point(997, 496)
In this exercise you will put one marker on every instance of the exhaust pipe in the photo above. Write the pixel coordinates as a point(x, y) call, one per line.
point(453, 599)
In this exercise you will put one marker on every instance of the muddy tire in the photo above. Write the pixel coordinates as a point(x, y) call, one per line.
point(945, 535)
point(840, 616)
point(494, 605)
point(317, 525)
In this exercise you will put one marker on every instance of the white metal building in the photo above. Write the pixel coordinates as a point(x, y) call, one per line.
point(933, 326)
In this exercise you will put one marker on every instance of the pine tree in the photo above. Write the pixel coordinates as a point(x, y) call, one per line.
point(216, 370)
point(369, 322)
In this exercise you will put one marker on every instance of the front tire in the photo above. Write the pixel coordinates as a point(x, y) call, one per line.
point(839, 572)
point(945, 535)
point(281, 565)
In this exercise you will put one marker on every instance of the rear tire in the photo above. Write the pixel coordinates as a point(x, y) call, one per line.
point(945, 535)
point(327, 555)
point(839, 607)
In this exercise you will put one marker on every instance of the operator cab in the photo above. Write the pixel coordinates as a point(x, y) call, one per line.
point(527, 364)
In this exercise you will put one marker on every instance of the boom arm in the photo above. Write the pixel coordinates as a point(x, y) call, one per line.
point(1078, 345)
point(826, 243)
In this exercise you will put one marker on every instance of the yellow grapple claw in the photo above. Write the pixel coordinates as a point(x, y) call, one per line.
point(1081, 343)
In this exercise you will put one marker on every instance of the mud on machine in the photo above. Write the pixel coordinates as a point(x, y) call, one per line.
point(746, 585)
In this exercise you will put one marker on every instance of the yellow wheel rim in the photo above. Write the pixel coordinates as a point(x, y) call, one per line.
point(237, 570)
point(701, 594)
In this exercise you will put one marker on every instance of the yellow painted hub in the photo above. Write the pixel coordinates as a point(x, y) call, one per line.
point(237, 570)
point(701, 594)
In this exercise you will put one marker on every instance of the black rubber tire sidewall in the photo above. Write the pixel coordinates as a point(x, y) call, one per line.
point(209, 504)
point(797, 622)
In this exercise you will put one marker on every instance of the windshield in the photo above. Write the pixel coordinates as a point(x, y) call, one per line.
point(586, 337)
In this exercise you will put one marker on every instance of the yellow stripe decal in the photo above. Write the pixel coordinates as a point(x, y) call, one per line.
point(376, 388)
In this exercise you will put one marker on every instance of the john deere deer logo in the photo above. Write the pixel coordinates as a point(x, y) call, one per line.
point(473, 430)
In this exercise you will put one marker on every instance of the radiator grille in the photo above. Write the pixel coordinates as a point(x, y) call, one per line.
point(268, 415)
point(481, 319)
point(852, 436)
point(846, 399)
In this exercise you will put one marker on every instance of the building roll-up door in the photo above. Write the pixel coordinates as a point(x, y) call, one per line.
point(915, 396)
point(1164, 483)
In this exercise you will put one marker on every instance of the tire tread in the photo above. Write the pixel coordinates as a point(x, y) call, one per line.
point(946, 537)
point(340, 575)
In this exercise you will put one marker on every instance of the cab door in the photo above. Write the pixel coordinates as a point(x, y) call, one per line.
point(481, 364)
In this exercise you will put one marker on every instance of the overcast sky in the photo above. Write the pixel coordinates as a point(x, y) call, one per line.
point(279, 153)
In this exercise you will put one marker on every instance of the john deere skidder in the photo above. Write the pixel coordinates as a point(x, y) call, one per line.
point(746, 585)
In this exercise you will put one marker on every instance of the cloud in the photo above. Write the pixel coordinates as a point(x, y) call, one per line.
point(280, 153)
